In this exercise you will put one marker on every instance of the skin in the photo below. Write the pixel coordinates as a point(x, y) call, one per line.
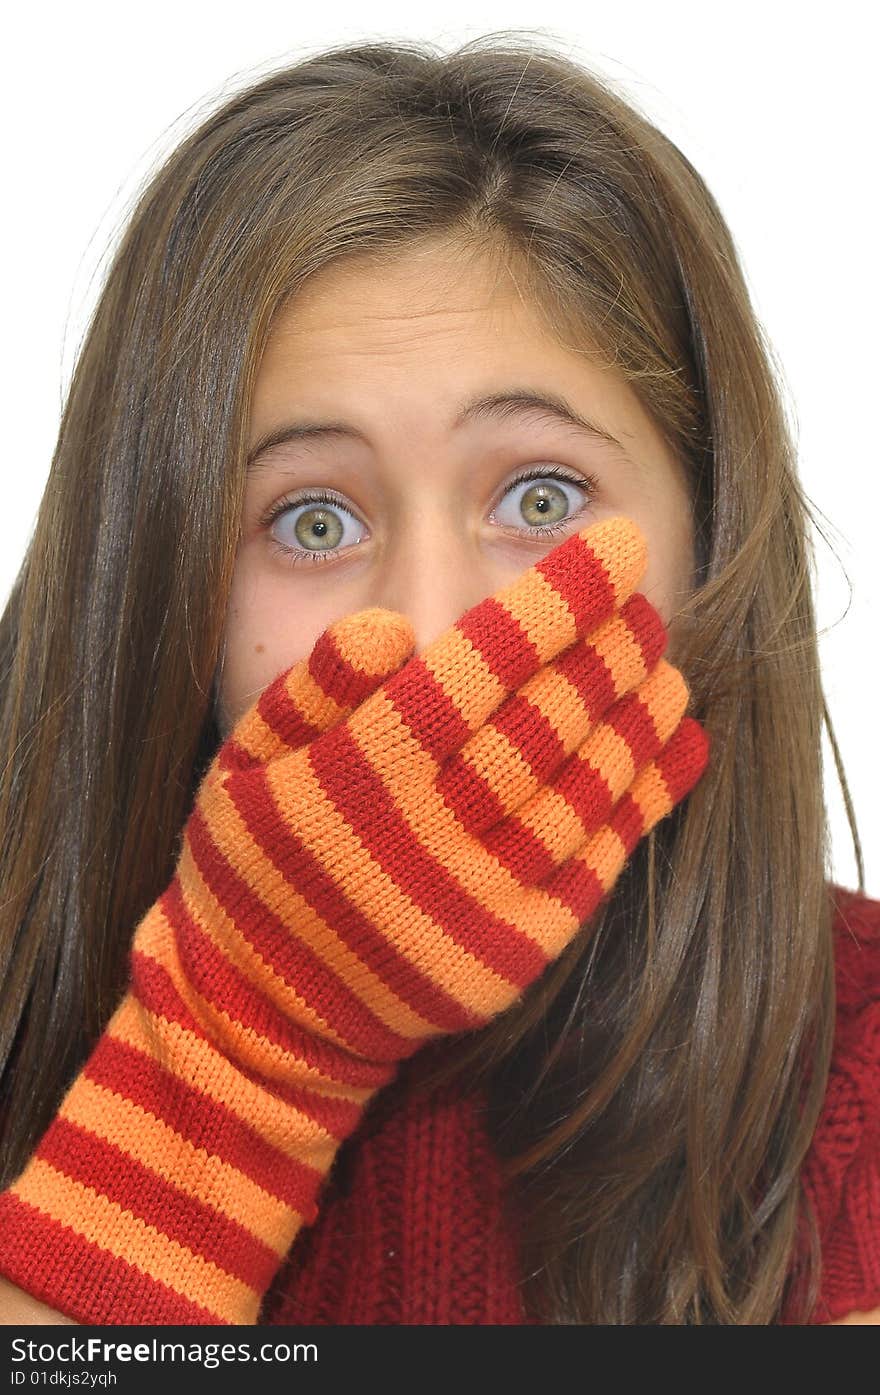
point(433, 525)
point(396, 354)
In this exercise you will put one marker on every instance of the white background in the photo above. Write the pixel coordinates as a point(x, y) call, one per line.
point(771, 102)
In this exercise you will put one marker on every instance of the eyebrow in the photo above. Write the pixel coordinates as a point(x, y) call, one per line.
point(515, 404)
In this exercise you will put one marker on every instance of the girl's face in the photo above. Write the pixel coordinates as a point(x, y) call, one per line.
point(404, 484)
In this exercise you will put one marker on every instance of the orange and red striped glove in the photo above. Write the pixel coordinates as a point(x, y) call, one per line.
point(387, 847)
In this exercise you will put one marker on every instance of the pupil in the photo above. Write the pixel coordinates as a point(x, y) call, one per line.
point(317, 527)
point(546, 500)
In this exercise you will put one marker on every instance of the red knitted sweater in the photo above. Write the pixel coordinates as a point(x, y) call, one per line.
point(411, 1228)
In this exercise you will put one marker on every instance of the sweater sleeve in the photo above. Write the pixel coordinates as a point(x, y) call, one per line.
point(841, 1173)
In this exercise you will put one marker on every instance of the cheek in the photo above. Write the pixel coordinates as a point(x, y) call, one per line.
point(668, 576)
point(668, 579)
point(269, 626)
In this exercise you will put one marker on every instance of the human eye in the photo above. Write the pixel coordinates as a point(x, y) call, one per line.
point(543, 501)
point(320, 521)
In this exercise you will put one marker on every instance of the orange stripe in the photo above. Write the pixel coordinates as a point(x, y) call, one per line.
point(374, 641)
point(541, 613)
point(666, 695)
point(264, 1057)
point(464, 676)
point(254, 735)
point(606, 854)
point(105, 1223)
point(200, 1066)
point(248, 861)
point(161, 1148)
point(554, 823)
point(621, 654)
point(551, 818)
point(537, 914)
point(623, 552)
point(501, 766)
point(498, 761)
point(651, 792)
point(434, 824)
point(415, 935)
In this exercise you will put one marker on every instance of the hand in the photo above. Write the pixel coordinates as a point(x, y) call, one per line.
point(432, 850)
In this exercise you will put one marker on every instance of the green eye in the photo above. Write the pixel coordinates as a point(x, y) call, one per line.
point(542, 500)
point(318, 528)
point(322, 527)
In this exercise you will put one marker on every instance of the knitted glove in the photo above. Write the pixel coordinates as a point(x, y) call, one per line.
point(371, 861)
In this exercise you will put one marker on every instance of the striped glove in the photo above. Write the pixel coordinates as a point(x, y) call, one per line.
point(388, 847)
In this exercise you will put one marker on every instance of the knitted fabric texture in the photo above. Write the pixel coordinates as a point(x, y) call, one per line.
point(413, 1227)
point(388, 848)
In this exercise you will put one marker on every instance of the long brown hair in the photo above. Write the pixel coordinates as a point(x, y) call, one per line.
point(654, 1095)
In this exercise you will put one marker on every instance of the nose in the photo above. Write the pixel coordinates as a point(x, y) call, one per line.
point(433, 578)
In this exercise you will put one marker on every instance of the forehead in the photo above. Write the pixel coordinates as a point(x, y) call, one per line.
point(397, 348)
point(421, 300)
point(429, 330)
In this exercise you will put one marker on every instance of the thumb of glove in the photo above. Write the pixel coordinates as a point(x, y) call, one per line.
point(349, 661)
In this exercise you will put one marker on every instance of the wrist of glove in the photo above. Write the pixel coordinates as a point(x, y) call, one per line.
point(388, 847)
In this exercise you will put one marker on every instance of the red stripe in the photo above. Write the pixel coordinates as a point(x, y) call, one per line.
point(467, 794)
point(501, 641)
point(631, 718)
point(646, 626)
point(287, 952)
point(427, 709)
point(684, 758)
point(586, 669)
point(308, 876)
point(586, 791)
point(335, 676)
point(681, 763)
point(589, 675)
point(284, 720)
point(529, 731)
point(520, 850)
point(628, 821)
point(350, 782)
point(94, 1162)
point(469, 797)
point(57, 1266)
point(575, 572)
point(423, 703)
point(576, 886)
point(534, 734)
point(233, 756)
point(218, 981)
point(155, 988)
point(203, 1122)
point(584, 787)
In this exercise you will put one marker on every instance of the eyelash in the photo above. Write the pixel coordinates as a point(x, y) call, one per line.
point(294, 555)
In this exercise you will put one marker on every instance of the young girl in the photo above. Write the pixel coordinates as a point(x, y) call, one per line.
point(383, 940)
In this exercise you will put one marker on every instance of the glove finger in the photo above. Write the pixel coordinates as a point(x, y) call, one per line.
point(524, 744)
point(348, 662)
point(587, 877)
point(446, 693)
point(557, 821)
point(389, 868)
